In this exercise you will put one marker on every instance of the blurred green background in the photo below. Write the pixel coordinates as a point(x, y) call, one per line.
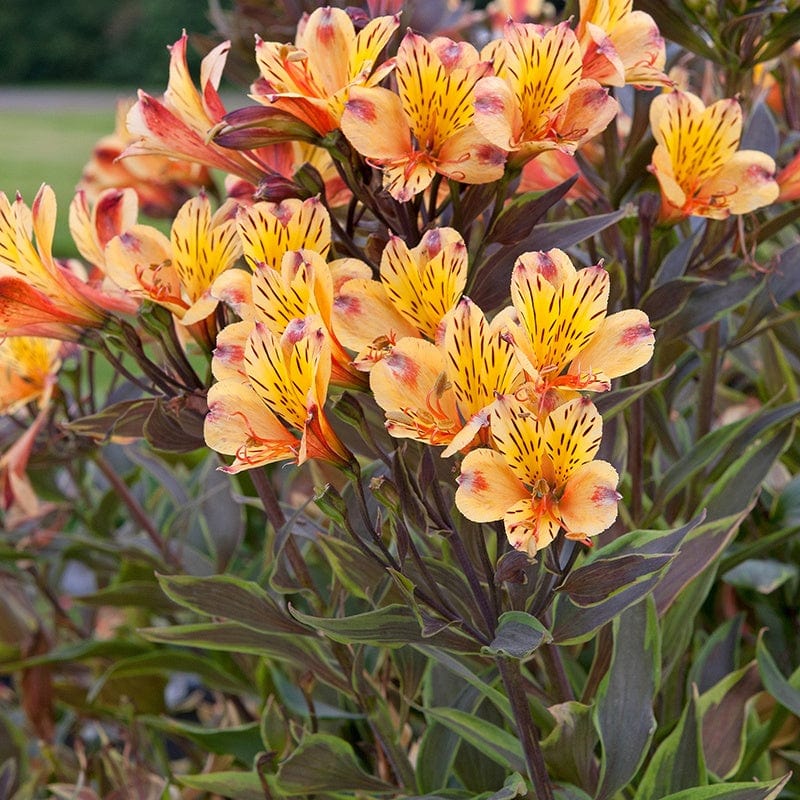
point(63, 65)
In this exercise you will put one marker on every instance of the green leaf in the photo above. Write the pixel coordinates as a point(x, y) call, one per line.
point(243, 742)
point(233, 785)
point(225, 596)
point(324, 763)
point(391, 626)
point(761, 575)
point(624, 709)
point(498, 744)
point(518, 635)
point(678, 762)
point(231, 637)
point(569, 749)
point(767, 790)
point(786, 692)
point(139, 594)
point(609, 404)
point(677, 27)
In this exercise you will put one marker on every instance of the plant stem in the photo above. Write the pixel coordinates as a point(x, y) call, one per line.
point(526, 728)
point(708, 380)
point(137, 512)
point(276, 517)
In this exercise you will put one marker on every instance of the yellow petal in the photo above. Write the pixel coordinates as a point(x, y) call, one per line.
point(572, 434)
point(745, 183)
point(497, 114)
point(487, 487)
point(269, 230)
point(589, 503)
point(518, 435)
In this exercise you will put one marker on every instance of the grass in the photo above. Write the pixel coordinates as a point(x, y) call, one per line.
point(49, 146)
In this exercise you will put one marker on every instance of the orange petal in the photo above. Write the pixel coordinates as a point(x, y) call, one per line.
point(530, 527)
point(589, 503)
point(487, 487)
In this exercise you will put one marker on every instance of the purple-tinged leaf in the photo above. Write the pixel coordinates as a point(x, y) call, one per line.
point(766, 790)
point(624, 708)
point(786, 692)
point(719, 655)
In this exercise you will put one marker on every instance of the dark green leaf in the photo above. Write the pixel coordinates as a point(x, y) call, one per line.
point(233, 785)
point(569, 749)
point(786, 692)
point(518, 635)
point(768, 790)
point(677, 260)
point(225, 596)
point(609, 404)
point(760, 575)
point(243, 742)
point(675, 26)
point(139, 594)
point(498, 744)
point(678, 762)
point(324, 763)
point(624, 710)
point(391, 626)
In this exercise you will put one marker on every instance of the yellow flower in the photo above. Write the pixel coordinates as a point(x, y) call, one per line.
point(270, 230)
point(443, 395)
point(418, 287)
point(537, 100)
point(28, 365)
point(542, 476)
point(311, 79)
point(696, 161)
point(275, 413)
point(38, 295)
point(427, 127)
point(564, 338)
point(178, 272)
point(620, 45)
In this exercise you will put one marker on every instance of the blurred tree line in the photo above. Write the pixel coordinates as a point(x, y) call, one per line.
point(94, 41)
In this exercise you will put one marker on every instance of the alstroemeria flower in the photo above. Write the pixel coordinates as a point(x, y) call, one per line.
point(162, 184)
point(427, 127)
point(275, 413)
point(28, 365)
point(38, 295)
point(418, 287)
point(620, 45)
point(563, 337)
point(443, 395)
point(178, 126)
point(542, 476)
point(178, 272)
point(538, 100)
point(697, 164)
point(788, 180)
point(303, 287)
point(311, 79)
point(270, 230)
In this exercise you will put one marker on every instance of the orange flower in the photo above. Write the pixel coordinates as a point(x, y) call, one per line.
point(537, 100)
point(161, 184)
point(427, 127)
point(788, 180)
point(178, 272)
point(697, 164)
point(179, 125)
point(418, 287)
point(311, 79)
point(38, 295)
point(275, 413)
point(542, 476)
point(443, 395)
point(620, 45)
point(563, 336)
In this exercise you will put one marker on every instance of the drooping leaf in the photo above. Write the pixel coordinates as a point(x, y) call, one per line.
point(624, 710)
point(325, 763)
point(518, 635)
